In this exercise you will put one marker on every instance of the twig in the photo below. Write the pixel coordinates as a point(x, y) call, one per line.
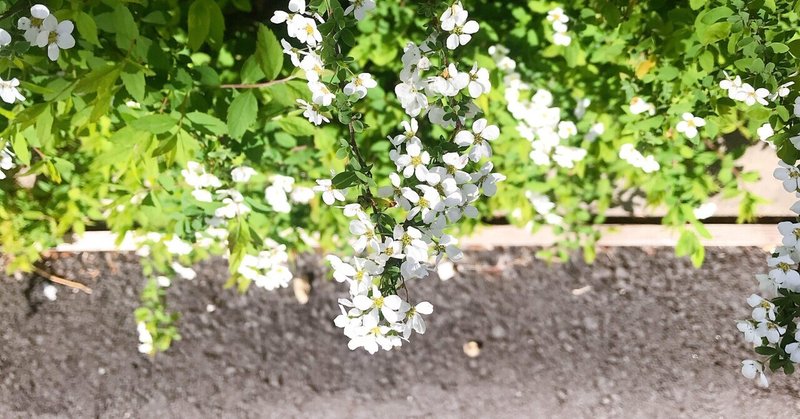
point(256, 85)
point(62, 281)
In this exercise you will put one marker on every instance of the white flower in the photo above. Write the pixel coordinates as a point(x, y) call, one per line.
point(6, 161)
point(302, 195)
point(782, 271)
point(33, 25)
point(689, 124)
point(638, 105)
point(176, 246)
point(560, 38)
point(359, 85)
point(762, 309)
point(750, 95)
point(9, 92)
point(460, 30)
point(329, 195)
point(450, 81)
point(5, 38)
point(292, 52)
point(184, 271)
point(414, 320)
point(359, 8)
point(429, 204)
point(790, 232)
point(479, 138)
point(388, 305)
point(771, 331)
point(765, 132)
point(793, 349)
point(557, 15)
point(706, 210)
point(752, 368)
point(402, 195)
point(234, 205)
point(410, 134)
point(478, 82)
point(163, 281)
point(242, 174)
point(411, 98)
point(145, 338)
point(320, 94)
point(789, 175)
point(55, 36)
point(797, 107)
point(364, 231)
point(371, 336)
point(414, 163)
point(411, 241)
point(312, 113)
point(749, 332)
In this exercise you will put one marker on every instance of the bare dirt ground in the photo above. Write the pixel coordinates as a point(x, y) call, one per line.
point(652, 337)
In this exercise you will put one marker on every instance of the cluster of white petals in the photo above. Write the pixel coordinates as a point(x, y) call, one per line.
point(538, 121)
point(744, 92)
point(6, 161)
point(782, 278)
point(302, 25)
point(630, 154)
point(269, 269)
point(430, 192)
point(559, 21)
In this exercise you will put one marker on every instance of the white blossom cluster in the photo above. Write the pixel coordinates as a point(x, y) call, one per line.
point(761, 329)
point(544, 207)
point(431, 192)
point(630, 154)
point(559, 21)
point(145, 339)
point(41, 29)
point(301, 24)
point(6, 161)
point(269, 269)
point(639, 106)
point(283, 192)
point(538, 121)
point(744, 92)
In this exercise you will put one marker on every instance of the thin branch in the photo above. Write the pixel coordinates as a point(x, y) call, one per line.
point(257, 85)
point(363, 163)
point(62, 281)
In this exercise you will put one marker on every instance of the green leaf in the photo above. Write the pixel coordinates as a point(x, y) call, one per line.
point(155, 124)
point(269, 53)
point(241, 114)
point(714, 33)
point(125, 27)
point(766, 350)
point(135, 85)
point(208, 122)
point(86, 27)
point(779, 48)
point(199, 23)
point(296, 126)
point(20, 146)
point(344, 180)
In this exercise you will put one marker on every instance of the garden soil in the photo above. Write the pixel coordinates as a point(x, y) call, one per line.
point(639, 333)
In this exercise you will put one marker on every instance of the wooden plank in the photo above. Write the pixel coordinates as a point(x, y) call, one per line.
point(628, 235)
point(631, 235)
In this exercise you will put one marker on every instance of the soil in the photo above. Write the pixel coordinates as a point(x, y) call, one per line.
point(645, 336)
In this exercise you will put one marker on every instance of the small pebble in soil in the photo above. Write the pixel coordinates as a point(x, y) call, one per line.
point(50, 292)
point(472, 348)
